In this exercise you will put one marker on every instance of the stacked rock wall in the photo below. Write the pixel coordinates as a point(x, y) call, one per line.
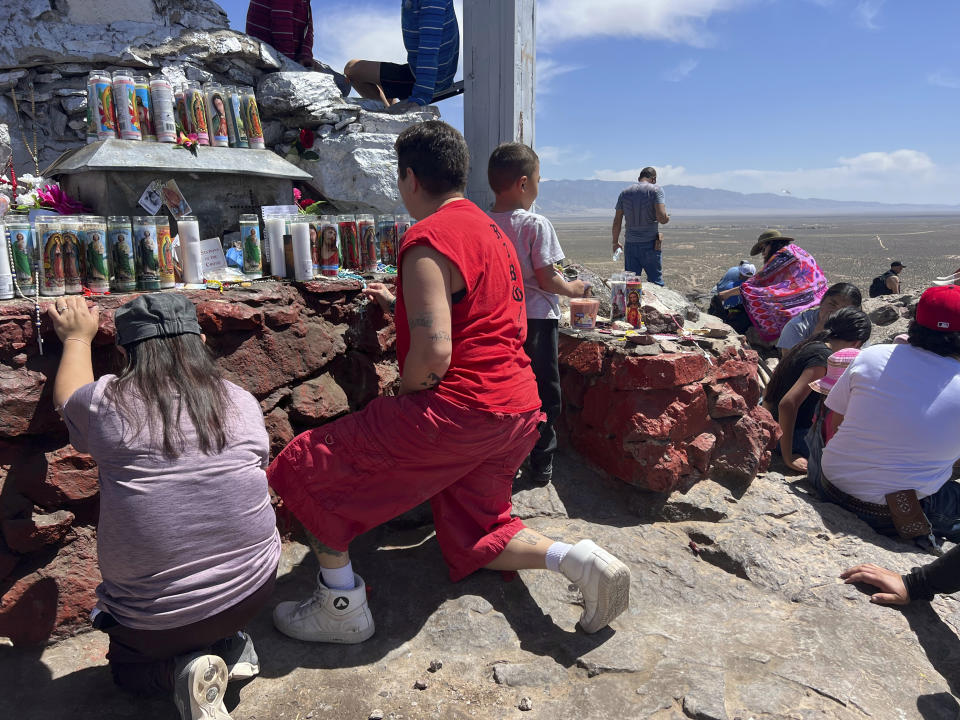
point(666, 413)
point(308, 352)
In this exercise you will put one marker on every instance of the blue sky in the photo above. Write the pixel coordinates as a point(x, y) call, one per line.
point(841, 99)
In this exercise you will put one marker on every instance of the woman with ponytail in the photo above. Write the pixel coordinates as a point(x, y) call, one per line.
point(788, 396)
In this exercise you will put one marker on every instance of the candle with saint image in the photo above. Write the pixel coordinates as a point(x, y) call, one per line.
point(302, 255)
point(6, 276)
point(189, 229)
point(276, 227)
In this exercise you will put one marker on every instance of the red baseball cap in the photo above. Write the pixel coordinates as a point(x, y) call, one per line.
point(939, 308)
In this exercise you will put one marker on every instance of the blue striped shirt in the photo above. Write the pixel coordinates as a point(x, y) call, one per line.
point(431, 37)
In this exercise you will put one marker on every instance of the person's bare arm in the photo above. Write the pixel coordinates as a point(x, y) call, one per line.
point(617, 226)
point(551, 281)
point(724, 294)
point(787, 415)
point(426, 296)
point(893, 284)
point(75, 325)
point(662, 216)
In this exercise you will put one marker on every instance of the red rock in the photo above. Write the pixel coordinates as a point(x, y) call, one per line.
point(24, 406)
point(57, 478)
point(217, 316)
point(281, 317)
point(266, 361)
point(357, 375)
point(722, 402)
point(583, 356)
point(55, 601)
point(317, 401)
point(25, 535)
point(331, 285)
point(12, 503)
point(279, 429)
point(8, 561)
point(700, 450)
point(632, 372)
point(637, 414)
point(28, 610)
point(743, 449)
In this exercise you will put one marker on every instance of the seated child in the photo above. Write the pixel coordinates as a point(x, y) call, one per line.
point(788, 395)
point(187, 539)
point(514, 175)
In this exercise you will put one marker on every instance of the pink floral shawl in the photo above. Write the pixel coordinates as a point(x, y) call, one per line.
point(786, 286)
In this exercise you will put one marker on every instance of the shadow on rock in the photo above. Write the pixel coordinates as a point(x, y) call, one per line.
point(940, 642)
point(939, 706)
point(410, 595)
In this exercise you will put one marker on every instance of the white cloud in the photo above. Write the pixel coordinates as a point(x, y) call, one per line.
point(562, 154)
point(681, 21)
point(549, 70)
point(897, 176)
point(943, 79)
point(681, 71)
point(866, 13)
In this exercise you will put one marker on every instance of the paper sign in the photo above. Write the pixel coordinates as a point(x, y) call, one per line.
point(211, 256)
point(152, 198)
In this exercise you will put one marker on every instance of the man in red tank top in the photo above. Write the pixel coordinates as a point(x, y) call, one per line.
point(464, 420)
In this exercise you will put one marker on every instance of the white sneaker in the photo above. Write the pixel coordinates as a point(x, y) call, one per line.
point(603, 580)
point(333, 616)
point(199, 683)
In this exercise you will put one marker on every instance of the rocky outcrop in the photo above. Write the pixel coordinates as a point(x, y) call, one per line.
point(890, 315)
point(308, 352)
point(736, 611)
point(666, 413)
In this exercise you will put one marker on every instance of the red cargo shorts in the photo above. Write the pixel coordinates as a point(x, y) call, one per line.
point(351, 475)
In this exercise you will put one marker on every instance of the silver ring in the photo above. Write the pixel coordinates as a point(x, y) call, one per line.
point(61, 308)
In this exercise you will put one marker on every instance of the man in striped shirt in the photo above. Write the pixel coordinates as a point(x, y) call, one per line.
point(287, 25)
point(431, 37)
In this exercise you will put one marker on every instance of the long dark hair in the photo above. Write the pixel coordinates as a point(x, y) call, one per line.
point(849, 323)
point(168, 375)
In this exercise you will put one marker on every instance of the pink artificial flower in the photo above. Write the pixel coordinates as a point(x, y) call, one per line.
point(54, 198)
point(297, 195)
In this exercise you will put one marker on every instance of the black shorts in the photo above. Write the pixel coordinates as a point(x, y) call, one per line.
point(396, 80)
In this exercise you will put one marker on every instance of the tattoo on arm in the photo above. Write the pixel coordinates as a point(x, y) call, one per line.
point(432, 380)
point(440, 336)
point(527, 537)
point(424, 320)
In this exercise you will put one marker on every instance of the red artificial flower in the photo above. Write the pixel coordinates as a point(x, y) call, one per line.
point(307, 138)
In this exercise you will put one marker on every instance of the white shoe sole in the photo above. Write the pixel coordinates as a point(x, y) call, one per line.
point(208, 683)
point(613, 594)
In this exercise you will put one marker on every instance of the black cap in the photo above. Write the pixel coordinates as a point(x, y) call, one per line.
point(155, 315)
point(897, 263)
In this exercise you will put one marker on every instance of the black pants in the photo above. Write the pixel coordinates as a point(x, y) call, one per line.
point(142, 661)
point(541, 348)
point(736, 317)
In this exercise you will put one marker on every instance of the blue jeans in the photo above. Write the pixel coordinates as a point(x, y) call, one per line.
point(640, 257)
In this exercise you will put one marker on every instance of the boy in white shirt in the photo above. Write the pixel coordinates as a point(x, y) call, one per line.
point(514, 176)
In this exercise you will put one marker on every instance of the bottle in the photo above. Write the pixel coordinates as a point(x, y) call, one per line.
point(618, 254)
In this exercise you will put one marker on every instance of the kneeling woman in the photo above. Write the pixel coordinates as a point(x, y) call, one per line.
point(788, 396)
point(187, 540)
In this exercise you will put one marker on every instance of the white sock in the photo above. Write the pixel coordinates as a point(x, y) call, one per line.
point(555, 555)
point(340, 578)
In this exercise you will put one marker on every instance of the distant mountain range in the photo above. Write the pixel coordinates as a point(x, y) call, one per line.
point(598, 197)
